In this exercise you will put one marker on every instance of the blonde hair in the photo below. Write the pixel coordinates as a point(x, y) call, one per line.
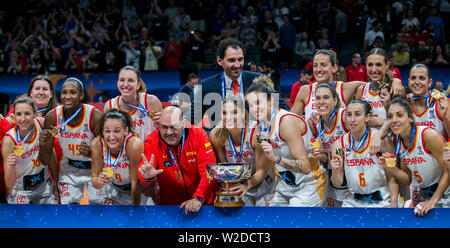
point(265, 80)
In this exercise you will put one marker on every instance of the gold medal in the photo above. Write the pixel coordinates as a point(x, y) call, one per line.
point(261, 137)
point(340, 152)
point(151, 114)
point(315, 143)
point(448, 144)
point(109, 171)
point(390, 162)
point(54, 131)
point(436, 94)
point(18, 150)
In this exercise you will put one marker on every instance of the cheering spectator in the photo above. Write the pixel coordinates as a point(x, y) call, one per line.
point(152, 53)
point(131, 51)
point(370, 36)
point(439, 30)
point(287, 40)
point(438, 57)
point(411, 22)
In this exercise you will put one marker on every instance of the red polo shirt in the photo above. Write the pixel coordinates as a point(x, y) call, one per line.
point(196, 154)
point(356, 73)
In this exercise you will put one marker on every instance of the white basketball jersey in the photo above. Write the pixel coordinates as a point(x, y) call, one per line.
point(29, 169)
point(339, 129)
point(430, 118)
point(122, 170)
point(143, 125)
point(248, 154)
point(310, 105)
point(363, 173)
point(423, 166)
point(378, 109)
point(71, 138)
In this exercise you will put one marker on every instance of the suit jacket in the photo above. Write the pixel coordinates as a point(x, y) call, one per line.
point(213, 84)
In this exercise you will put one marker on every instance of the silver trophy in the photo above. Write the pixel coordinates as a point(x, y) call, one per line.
point(228, 174)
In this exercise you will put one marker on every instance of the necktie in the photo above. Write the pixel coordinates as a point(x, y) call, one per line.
point(235, 85)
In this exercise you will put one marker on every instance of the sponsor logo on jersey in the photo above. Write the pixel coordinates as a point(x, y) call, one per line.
point(360, 162)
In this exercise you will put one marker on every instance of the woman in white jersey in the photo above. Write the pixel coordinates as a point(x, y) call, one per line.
point(427, 111)
point(330, 127)
point(353, 166)
point(284, 136)
point(27, 179)
point(143, 108)
point(376, 91)
point(419, 150)
point(116, 154)
point(74, 123)
point(232, 142)
point(324, 67)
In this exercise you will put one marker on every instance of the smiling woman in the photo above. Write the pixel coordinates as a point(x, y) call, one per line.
point(116, 154)
point(67, 122)
point(27, 179)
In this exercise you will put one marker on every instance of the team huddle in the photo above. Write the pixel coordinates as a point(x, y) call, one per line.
point(353, 144)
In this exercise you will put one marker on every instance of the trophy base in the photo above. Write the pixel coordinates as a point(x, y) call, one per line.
point(228, 200)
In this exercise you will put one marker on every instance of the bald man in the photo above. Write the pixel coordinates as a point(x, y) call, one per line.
point(177, 154)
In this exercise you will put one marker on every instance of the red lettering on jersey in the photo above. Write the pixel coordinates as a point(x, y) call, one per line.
point(313, 105)
point(30, 152)
point(376, 104)
point(138, 123)
point(122, 165)
point(360, 162)
point(69, 135)
point(426, 124)
point(274, 145)
point(245, 154)
point(415, 160)
point(328, 144)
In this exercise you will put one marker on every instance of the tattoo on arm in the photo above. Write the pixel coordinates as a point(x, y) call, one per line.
point(292, 165)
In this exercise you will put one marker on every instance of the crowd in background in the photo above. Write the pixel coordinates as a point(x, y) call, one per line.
point(74, 36)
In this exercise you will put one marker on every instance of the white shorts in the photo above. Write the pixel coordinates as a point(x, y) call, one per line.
point(258, 195)
point(119, 196)
point(307, 192)
point(350, 201)
point(72, 183)
point(43, 194)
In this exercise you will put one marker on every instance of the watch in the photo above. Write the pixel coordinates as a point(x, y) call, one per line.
point(199, 198)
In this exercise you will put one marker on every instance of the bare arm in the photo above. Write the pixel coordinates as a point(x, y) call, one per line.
point(134, 149)
point(300, 100)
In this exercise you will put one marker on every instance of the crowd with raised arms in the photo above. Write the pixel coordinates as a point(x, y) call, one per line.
point(353, 144)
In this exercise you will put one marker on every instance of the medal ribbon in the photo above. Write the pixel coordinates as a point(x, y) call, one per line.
point(64, 122)
point(172, 157)
point(322, 130)
point(109, 158)
point(262, 128)
point(428, 101)
point(241, 148)
point(361, 142)
point(141, 108)
point(41, 110)
point(19, 140)
point(399, 141)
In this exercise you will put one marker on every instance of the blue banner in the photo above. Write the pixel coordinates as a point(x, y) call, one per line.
point(94, 216)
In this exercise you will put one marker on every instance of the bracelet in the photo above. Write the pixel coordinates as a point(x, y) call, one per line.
point(278, 160)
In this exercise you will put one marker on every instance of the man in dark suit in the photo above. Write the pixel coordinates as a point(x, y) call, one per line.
point(233, 80)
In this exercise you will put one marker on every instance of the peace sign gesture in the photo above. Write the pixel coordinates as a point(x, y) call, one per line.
point(147, 170)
